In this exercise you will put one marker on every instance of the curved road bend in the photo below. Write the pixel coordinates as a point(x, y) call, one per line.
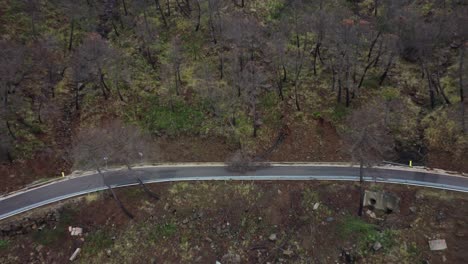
point(33, 198)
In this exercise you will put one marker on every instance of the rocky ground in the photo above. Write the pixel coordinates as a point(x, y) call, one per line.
point(248, 222)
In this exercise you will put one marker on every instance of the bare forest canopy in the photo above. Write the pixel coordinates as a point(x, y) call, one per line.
point(389, 75)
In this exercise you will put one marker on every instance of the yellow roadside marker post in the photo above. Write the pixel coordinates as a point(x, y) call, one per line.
point(63, 174)
point(411, 164)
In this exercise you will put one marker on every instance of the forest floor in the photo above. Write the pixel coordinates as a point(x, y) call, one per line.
point(254, 222)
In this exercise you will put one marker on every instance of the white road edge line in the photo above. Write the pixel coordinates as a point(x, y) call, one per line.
point(241, 178)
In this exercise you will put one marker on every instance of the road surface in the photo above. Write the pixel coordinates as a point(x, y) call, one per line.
point(70, 187)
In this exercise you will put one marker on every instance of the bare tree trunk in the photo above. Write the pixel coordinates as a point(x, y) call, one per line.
point(115, 29)
point(379, 53)
point(125, 7)
point(296, 97)
point(369, 54)
point(177, 79)
point(182, 9)
point(376, 6)
point(10, 131)
point(316, 54)
point(460, 73)
point(347, 87)
point(441, 89)
point(365, 71)
point(347, 96)
point(221, 65)
point(430, 87)
point(280, 89)
point(387, 68)
point(210, 22)
point(39, 112)
point(361, 187)
point(461, 85)
point(104, 87)
point(198, 15)
point(77, 95)
point(33, 26)
point(72, 28)
point(119, 93)
point(339, 91)
point(158, 6)
point(50, 83)
point(9, 156)
point(168, 7)
point(333, 78)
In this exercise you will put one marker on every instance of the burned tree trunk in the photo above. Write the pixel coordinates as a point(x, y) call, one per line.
point(463, 102)
point(163, 17)
point(361, 187)
point(72, 28)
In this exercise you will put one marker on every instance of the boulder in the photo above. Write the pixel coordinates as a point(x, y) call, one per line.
point(231, 258)
point(316, 206)
point(75, 254)
point(272, 237)
point(288, 252)
point(376, 246)
point(437, 244)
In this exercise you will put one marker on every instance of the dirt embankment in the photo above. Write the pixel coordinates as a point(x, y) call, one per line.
point(314, 142)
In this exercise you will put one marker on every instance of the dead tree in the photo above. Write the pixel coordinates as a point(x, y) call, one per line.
point(367, 138)
point(90, 150)
point(89, 65)
point(129, 145)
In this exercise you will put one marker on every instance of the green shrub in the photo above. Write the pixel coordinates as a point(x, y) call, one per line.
point(272, 114)
point(339, 113)
point(355, 226)
point(372, 81)
point(97, 242)
point(366, 234)
point(172, 119)
point(4, 244)
point(317, 115)
point(163, 231)
point(443, 131)
point(49, 236)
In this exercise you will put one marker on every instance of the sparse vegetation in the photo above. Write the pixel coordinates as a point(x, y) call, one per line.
point(163, 231)
point(97, 241)
point(256, 220)
point(52, 235)
point(4, 244)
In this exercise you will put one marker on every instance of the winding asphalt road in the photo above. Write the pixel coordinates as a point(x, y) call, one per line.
point(74, 186)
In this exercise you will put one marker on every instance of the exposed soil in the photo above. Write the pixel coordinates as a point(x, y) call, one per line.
point(317, 141)
point(443, 160)
point(208, 221)
point(21, 173)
